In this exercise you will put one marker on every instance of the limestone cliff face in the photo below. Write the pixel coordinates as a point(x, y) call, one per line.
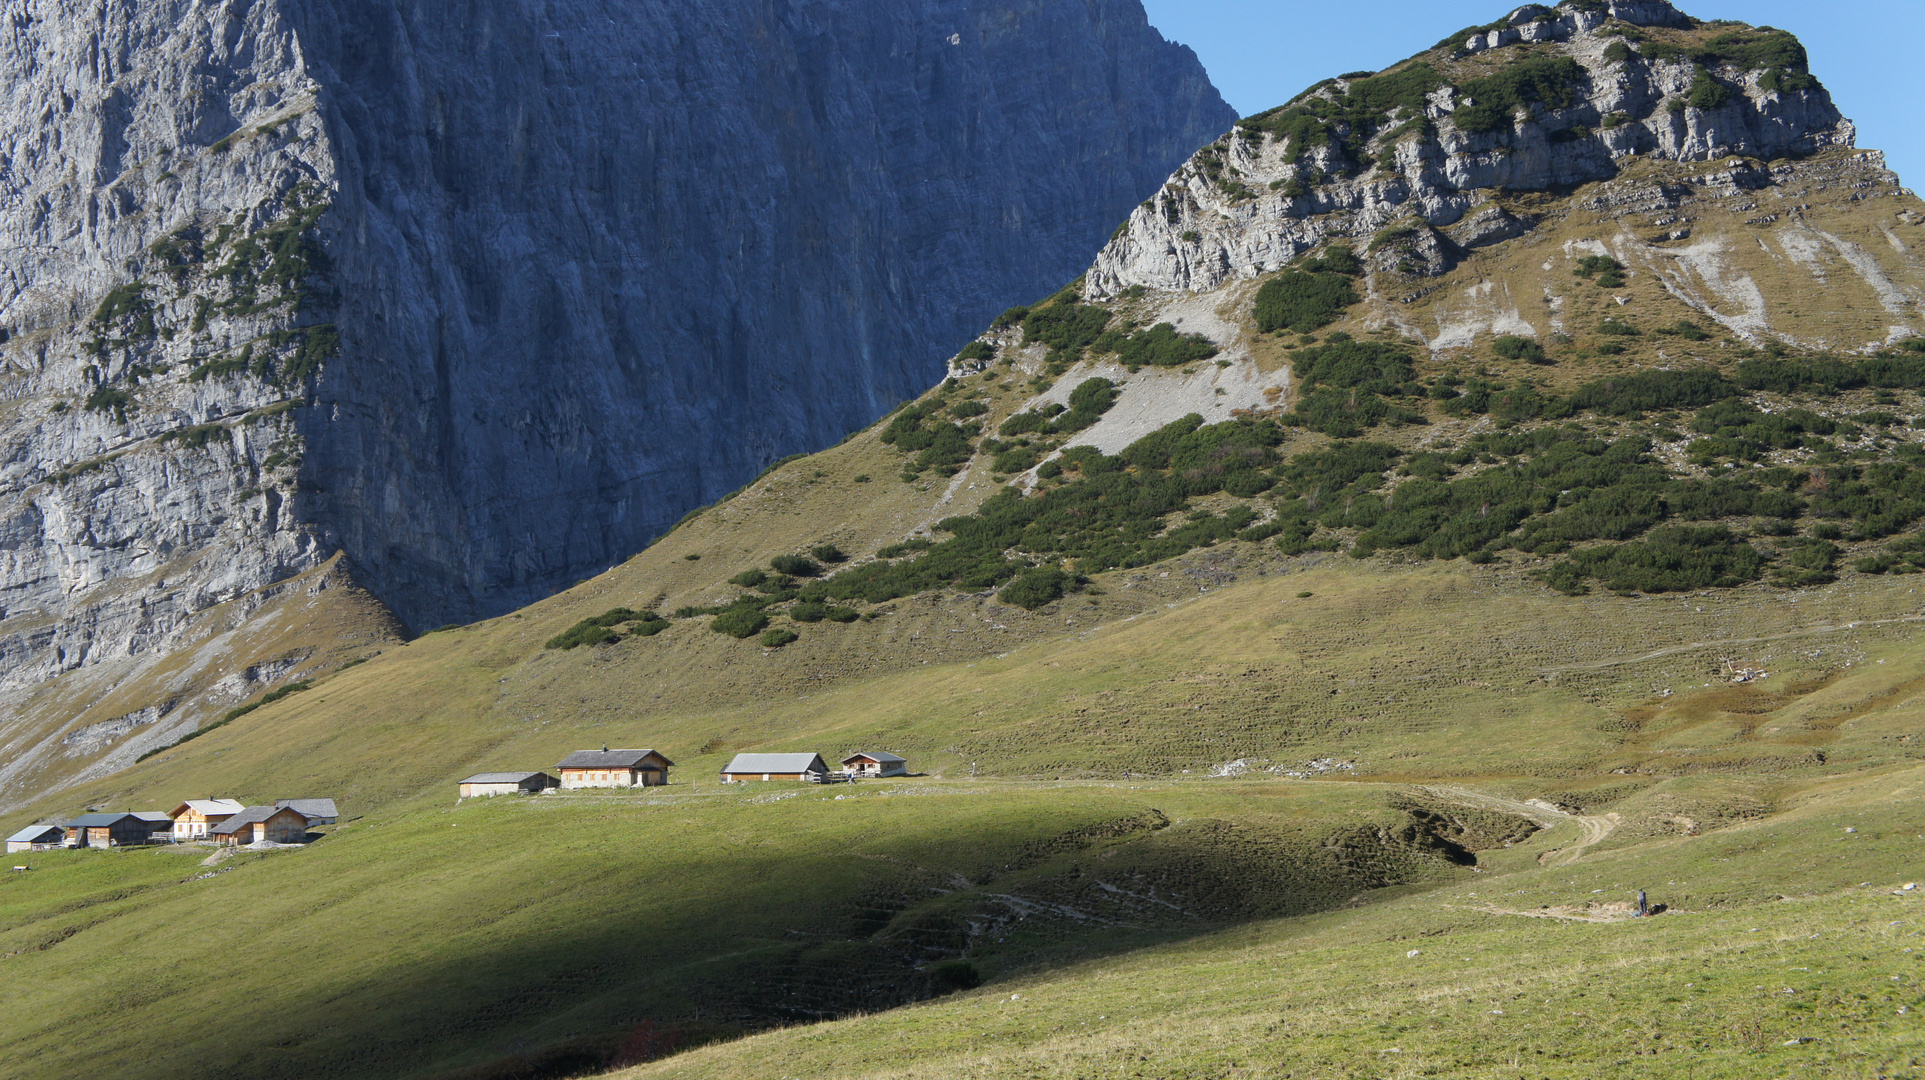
point(484, 297)
point(1570, 93)
point(603, 263)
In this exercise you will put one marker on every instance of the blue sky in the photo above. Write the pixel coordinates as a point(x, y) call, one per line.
point(1262, 52)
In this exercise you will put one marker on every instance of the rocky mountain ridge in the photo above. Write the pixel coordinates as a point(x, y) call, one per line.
point(1541, 101)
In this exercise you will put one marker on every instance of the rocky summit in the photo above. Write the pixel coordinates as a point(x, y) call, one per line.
point(483, 304)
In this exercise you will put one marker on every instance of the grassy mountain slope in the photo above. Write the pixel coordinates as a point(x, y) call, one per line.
point(1419, 636)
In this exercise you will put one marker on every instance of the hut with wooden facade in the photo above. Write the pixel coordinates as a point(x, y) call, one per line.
point(37, 838)
point(748, 767)
point(875, 763)
point(193, 818)
point(275, 824)
point(613, 768)
point(507, 783)
point(109, 830)
point(318, 811)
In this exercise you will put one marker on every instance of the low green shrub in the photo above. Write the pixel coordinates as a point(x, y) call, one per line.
point(1159, 346)
point(777, 638)
point(1673, 559)
point(828, 554)
point(977, 350)
point(1512, 347)
point(795, 566)
point(1302, 301)
point(1036, 588)
point(1491, 101)
point(740, 622)
point(1067, 328)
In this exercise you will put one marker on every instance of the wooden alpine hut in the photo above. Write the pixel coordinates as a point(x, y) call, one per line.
point(37, 838)
point(613, 768)
point(875, 763)
point(750, 767)
point(507, 783)
point(109, 830)
point(194, 817)
point(276, 824)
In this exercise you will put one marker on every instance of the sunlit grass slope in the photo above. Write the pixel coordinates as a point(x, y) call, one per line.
point(1789, 948)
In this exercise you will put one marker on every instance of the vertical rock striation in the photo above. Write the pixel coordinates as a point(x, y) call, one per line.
point(602, 262)
point(485, 296)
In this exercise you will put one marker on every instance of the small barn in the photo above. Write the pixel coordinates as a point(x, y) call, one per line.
point(318, 811)
point(875, 763)
point(193, 818)
point(507, 783)
point(158, 824)
point(613, 768)
point(109, 830)
point(275, 824)
point(748, 767)
point(37, 838)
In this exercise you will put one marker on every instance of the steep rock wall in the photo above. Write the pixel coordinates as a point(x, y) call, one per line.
point(603, 262)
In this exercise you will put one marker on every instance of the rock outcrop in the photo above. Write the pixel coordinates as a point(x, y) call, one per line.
point(1543, 100)
point(485, 301)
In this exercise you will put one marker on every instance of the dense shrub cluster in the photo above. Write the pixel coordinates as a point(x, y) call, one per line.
point(1608, 272)
point(1067, 328)
point(600, 629)
point(1675, 559)
point(1303, 301)
point(1349, 116)
point(1111, 516)
point(1490, 102)
point(1512, 347)
point(1159, 346)
point(1087, 404)
point(1346, 386)
point(938, 444)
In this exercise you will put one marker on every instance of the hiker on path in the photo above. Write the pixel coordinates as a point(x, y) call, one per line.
point(1644, 907)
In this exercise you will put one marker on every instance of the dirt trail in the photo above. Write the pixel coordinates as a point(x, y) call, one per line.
point(1726, 643)
point(1591, 828)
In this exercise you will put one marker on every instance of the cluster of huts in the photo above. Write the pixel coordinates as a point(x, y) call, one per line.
point(224, 821)
point(607, 768)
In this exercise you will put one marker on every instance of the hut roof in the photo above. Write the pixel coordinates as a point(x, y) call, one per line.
point(96, 821)
point(499, 777)
point(32, 834)
point(210, 807)
point(882, 756)
point(609, 759)
point(249, 816)
point(313, 808)
point(776, 763)
point(154, 817)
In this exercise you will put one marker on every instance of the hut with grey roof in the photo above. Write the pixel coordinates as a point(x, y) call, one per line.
point(748, 767)
point(613, 768)
point(317, 811)
point(275, 824)
point(875, 763)
point(507, 783)
point(110, 830)
point(37, 838)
